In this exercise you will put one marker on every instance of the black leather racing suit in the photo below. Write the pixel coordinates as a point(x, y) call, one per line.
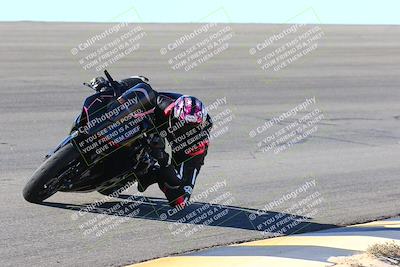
point(177, 176)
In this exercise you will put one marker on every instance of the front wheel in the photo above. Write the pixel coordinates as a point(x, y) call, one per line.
point(46, 180)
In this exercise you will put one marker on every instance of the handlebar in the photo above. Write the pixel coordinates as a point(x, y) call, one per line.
point(109, 78)
point(115, 85)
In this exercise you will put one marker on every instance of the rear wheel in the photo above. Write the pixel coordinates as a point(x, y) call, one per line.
point(48, 177)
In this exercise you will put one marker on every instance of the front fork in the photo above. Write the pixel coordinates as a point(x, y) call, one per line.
point(62, 143)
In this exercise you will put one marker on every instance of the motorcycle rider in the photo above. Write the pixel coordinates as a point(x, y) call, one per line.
point(184, 122)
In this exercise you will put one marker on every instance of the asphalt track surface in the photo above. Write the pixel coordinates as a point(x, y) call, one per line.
point(353, 156)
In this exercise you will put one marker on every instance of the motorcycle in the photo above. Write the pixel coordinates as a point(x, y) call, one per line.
point(107, 148)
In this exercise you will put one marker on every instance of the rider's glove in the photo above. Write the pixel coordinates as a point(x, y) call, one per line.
point(99, 84)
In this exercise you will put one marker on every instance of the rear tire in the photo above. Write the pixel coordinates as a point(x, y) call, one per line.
point(35, 191)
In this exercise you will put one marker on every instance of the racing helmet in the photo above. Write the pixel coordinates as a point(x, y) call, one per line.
point(190, 110)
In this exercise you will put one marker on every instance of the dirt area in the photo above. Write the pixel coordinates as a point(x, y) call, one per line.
point(378, 255)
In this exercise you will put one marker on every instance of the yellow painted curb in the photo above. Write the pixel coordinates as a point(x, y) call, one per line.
point(230, 261)
point(334, 240)
point(360, 243)
point(385, 224)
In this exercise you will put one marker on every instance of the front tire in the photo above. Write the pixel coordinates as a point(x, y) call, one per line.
point(43, 182)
